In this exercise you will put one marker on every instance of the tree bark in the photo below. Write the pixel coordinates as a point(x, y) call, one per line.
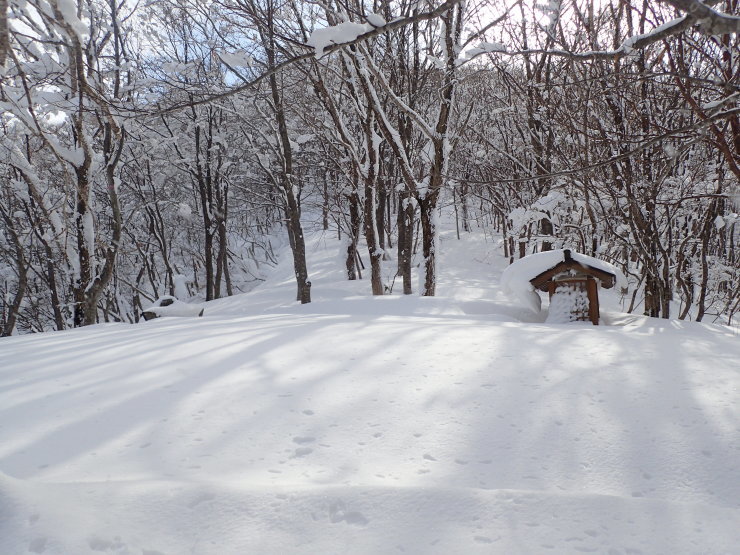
point(353, 236)
point(375, 253)
point(405, 220)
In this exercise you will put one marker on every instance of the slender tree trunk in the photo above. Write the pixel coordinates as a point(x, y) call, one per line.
point(208, 256)
point(83, 219)
point(303, 292)
point(464, 205)
point(371, 223)
point(53, 289)
point(382, 201)
point(353, 236)
point(292, 208)
point(428, 216)
point(325, 203)
point(105, 274)
point(428, 199)
point(4, 42)
point(220, 255)
point(405, 220)
point(546, 230)
point(223, 255)
point(21, 268)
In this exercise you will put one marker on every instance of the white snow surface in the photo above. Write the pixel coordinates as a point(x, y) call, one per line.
point(455, 424)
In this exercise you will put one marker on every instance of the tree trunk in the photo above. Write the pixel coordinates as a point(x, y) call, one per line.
point(427, 214)
point(292, 208)
point(382, 201)
point(375, 253)
point(405, 241)
point(353, 236)
point(208, 255)
point(303, 289)
point(20, 263)
point(428, 198)
point(82, 280)
point(546, 230)
point(464, 204)
point(4, 42)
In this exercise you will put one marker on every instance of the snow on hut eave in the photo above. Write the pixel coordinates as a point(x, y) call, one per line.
point(540, 281)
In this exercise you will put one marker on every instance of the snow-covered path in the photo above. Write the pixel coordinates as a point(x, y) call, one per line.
point(361, 425)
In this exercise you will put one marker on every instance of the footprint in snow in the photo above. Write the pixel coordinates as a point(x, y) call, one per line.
point(100, 544)
point(303, 439)
point(37, 545)
point(202, 498)
point(338, 513)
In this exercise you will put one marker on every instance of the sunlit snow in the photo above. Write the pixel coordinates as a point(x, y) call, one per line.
point(347, 31)
point(456, 424)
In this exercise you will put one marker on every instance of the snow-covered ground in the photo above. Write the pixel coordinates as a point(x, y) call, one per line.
point(455, 424)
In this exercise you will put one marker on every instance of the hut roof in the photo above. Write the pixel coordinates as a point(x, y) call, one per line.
point(582, 264)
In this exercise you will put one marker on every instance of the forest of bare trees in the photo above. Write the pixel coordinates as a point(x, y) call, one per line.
point(167, 147)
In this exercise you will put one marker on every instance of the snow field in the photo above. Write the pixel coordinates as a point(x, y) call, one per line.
point(458, 424)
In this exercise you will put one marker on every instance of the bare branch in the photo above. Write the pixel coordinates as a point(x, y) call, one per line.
point(625, 155)
point(709, 20)
point(390, 26)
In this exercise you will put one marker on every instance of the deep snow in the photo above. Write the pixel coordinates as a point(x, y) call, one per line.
point(456, 424)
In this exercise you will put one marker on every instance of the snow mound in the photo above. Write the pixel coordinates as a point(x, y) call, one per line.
point(170, 306)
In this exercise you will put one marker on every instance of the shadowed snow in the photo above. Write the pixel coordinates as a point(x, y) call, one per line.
point(372, 425)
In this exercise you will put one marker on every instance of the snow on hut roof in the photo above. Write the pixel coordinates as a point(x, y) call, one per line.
point(517, 278)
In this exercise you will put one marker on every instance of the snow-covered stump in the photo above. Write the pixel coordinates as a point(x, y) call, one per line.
point(170, 306)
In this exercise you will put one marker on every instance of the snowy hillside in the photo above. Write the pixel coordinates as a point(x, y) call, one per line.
point(455, 424)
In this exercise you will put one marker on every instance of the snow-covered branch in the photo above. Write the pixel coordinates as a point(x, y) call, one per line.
point(628, 46)
point(709, 20)
point(326, 49)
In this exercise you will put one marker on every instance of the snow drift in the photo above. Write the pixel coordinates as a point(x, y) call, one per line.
point(362, 425)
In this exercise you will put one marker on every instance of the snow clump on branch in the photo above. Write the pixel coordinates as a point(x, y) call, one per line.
point(348, 31)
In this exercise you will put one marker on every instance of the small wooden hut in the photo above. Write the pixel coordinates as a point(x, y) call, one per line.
point(573, 289)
